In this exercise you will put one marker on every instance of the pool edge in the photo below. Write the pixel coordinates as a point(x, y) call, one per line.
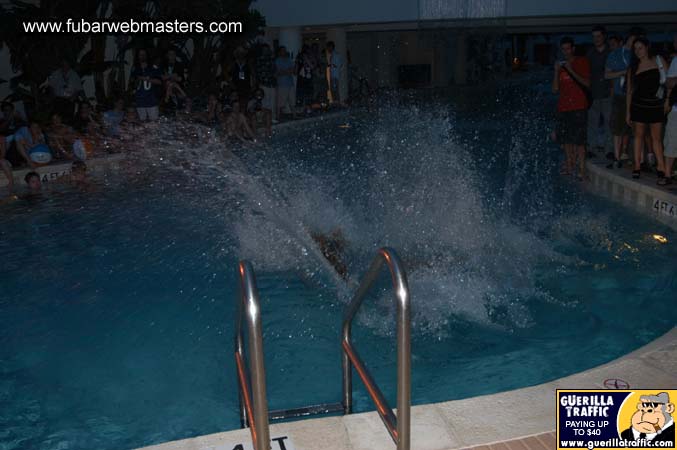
point(525, 413)
point(643, 195)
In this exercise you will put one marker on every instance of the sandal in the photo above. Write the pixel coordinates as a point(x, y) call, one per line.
point(635, 174)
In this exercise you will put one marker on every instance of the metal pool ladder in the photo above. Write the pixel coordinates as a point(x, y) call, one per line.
point(255, 413)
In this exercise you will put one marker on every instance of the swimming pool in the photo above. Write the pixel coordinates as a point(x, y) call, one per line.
point(117, 307)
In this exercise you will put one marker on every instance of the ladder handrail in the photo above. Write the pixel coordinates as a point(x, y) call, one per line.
point(398, 427)
point(254, 414)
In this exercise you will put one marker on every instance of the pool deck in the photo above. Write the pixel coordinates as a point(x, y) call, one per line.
point(644, 195)
point(100, 164)
point(522, 419)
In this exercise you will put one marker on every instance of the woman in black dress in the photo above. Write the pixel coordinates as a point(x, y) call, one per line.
point(645, 102)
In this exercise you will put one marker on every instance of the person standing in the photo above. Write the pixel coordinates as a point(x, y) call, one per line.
point(319, 74)
point(284, 71)
point(305, 67)
point(66, 87)
point(645, 104)
point(265, 78)
point(600, 109)
point(146, 80)
point(241, 76)
point(616, 69)
point(571, 78)
point(334, 67)
point(174, 78)
point(671, 126)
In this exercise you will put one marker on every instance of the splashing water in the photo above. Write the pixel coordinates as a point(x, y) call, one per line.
point(397, 179)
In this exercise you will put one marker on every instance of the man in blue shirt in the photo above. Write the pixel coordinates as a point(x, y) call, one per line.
point(616, 69)
point(286, 93)
point(146, 80)
point(600, 91)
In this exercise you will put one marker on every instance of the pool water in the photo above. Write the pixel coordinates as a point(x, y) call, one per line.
point(117, 306)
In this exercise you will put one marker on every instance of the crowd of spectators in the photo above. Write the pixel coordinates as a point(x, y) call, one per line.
point(255, 90)
point(624, 84)
point(620, 82)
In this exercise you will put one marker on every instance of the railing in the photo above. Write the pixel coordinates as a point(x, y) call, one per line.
point(398, 427)
point(252, 413)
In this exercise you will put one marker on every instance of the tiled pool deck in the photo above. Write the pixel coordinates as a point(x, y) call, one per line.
point(643, 195)
point(522, 419)
point(98, 165)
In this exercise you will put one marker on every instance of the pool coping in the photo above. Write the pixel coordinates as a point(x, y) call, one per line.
point(525, 414)
point(658, 203)
point(52, 172)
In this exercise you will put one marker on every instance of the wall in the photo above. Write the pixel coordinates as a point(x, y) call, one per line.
point(282, 13)
point(519, 8)
point(323, 12)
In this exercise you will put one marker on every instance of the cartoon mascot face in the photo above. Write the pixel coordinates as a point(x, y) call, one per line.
point(653, 412)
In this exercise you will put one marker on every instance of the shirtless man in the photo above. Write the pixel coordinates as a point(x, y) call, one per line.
point(332, 246)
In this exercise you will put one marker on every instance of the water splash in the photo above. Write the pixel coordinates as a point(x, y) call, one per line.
point(397, 178)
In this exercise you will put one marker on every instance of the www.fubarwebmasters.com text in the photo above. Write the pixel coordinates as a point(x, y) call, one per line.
point(131, 26)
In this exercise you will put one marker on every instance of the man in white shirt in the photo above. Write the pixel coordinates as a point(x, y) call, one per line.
point(671, 126)
point(66, 86)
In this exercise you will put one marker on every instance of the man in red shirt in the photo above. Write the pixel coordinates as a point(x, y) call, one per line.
point(572, 81)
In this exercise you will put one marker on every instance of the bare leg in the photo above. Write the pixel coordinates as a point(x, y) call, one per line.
point(618, 143)
point(625, 140)
point(580, 150)
point(669, 161)
point(657, 143)
point(638, 144)
point(168, 92)
point(245, 126)
point(233, 129)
